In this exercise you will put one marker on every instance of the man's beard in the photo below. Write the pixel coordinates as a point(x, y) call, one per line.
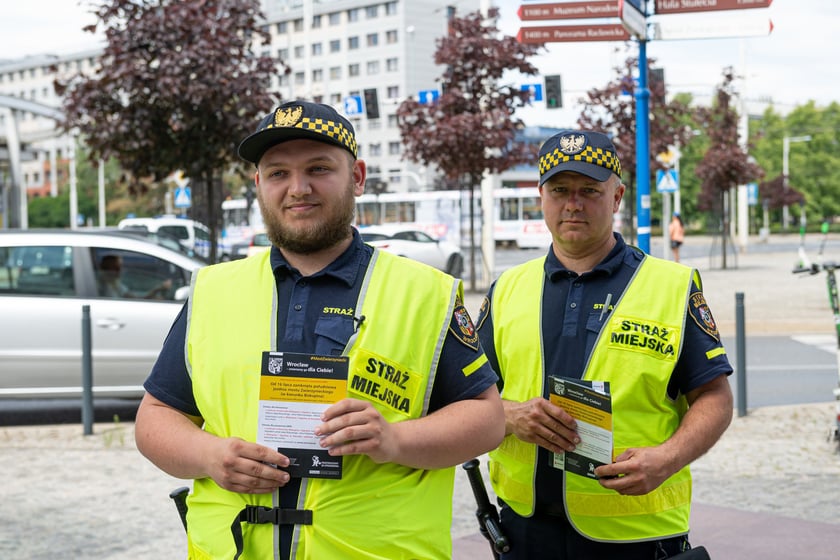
point(311, 239)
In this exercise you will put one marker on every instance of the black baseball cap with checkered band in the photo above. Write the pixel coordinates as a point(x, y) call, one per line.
point(297, 120)
point(582, 151)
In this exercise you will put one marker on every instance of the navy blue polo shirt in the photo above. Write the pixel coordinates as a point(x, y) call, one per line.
point(314, 320)
point(571, 321)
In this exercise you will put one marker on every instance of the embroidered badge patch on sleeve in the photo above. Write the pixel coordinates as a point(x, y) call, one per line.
point(702, 315)
point(483, 312)
point(462, 327)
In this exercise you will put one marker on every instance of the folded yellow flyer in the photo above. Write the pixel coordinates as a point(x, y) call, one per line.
point(590, 404)
point(295, 389)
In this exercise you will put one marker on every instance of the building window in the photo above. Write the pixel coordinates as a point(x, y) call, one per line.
point(393, 92)
point(298, 25)
point(375, 149)
point(318, 99)
point(392, 64)
point(391, 36)
point(282, 27)
point(335, 18)
point(335, 98)
point(283, 80)
point(316, 22)
point(283, 54)
point(372, 12)
point(353, 14)
point(353, 43)
point(318, 75)
point(390, 8)
point(372, 67)
point(335, 45)
point(299, 51)
point(392, 121)
point(393, 148)
point(316, 49)
point(335, 73)
point(372, 39)
point(300, 79)
point(353, 69)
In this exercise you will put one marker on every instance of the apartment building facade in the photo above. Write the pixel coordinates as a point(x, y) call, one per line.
point(364, 57)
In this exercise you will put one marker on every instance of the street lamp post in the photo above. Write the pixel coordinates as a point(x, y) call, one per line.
point(786, 142)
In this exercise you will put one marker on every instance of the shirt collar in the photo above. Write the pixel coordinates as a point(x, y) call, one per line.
point(346, 267)
point(555, 270)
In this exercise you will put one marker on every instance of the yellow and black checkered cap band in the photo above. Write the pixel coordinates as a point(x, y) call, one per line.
point(334, 130)
point(596, 156)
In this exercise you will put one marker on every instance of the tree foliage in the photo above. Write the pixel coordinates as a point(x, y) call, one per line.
point(612, 110)
point(471, 129)
point(177, 88)
point(813, 165)
point(726, 164)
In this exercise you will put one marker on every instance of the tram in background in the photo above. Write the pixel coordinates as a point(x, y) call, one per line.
point(517, 215)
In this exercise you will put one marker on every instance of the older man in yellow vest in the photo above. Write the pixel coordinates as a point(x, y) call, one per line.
point(630, 332)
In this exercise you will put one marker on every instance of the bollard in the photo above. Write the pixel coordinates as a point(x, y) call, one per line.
point(741, 356)
point(87, 373)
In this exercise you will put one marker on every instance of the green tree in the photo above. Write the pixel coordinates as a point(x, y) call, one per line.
point(725, 164)
point(813, 165)
point(471, 128)
point(177, 87)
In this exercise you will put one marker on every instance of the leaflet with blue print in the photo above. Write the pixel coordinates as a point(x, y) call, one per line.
point(589, 403)
point(295, 389)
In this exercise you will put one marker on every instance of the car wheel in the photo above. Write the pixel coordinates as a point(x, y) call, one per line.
point(455, 265)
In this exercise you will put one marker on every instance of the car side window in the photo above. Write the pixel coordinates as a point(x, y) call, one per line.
point(37, 270)
point(178, 232)
point(130, 275)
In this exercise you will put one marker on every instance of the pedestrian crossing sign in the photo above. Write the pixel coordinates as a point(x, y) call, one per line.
point(183, 197)
point(667, 181)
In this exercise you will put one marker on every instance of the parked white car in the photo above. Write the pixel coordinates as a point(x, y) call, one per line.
point(193, 235)
point(135, 289)
point(417, 245)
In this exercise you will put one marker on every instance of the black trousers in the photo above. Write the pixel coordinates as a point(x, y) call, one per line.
point(551, 537)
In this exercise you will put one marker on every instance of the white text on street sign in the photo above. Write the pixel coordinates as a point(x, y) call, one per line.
point(684, 6)
point(572, 33)
point(569, 10)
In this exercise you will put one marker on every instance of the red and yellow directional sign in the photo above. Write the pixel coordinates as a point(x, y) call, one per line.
point(568, 10)
point(685, 6)
point(572, 33)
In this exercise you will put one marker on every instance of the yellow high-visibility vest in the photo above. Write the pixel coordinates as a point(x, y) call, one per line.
point(636, 352)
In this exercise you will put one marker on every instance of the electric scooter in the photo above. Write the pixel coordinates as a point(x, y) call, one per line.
point(828, 267)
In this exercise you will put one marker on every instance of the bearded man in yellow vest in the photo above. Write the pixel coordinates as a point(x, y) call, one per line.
point(367, 476)
point(595, 477)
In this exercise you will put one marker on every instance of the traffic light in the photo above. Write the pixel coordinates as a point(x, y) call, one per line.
point(371, 103)
point(553, 92)
point(657, 85)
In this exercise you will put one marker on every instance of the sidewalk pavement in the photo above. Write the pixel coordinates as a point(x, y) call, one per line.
point(728, 534)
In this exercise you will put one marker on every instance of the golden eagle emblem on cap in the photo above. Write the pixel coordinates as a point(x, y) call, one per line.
point(572, 143)
point(288, 117)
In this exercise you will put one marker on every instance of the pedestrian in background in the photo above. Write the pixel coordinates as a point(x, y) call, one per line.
point(676, 231)
point(594, 310)
point(422, 399)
